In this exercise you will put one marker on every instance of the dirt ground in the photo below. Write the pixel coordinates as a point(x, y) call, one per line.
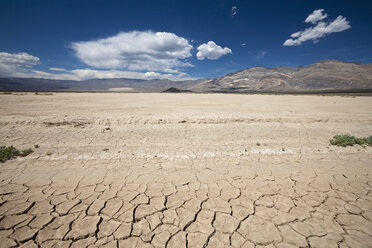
point(185, 170)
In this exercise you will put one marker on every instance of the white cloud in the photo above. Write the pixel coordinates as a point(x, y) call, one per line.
point(261, 55)
point(21, 65)
point(291, 42)
point(84, 74)
point(172, 71)
point(211, 50)
point(320, 30)
point(135, 50)
point(243, 44)
point(316, 16)
point(22, 59)
point(56, 69)
point(13, 63)
point(234, 11)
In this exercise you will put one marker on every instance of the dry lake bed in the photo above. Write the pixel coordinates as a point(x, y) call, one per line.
point(185, 170)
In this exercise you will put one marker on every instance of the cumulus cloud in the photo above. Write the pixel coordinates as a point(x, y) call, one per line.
point(23, 59)
point(84, 74)
point(12, 63)
point(135, 50)
point(211, 50)
point(234, 11)
point(316, 16)
point(21, 65)
point(320, 30)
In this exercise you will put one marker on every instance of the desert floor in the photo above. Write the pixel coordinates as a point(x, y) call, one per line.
point(185, 170)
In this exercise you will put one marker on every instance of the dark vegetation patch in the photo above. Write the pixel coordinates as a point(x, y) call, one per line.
point(81, 124)
point(349, 140)
point(11, 152)
point(44, 93)
point(175, 90)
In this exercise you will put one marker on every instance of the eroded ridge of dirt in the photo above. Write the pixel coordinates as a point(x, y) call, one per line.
point(184, 184)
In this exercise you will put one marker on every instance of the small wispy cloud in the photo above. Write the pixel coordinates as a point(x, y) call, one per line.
point(56, 69)
point(243, 44)
point(211, 50)
point(261, 54)
point(316, 16)
point(234, 11)
point(318, 31)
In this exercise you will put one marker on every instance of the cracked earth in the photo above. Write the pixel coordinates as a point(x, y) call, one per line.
point(185, 170)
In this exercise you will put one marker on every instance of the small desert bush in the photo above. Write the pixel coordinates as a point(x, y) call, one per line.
point(7, 153)
point(349, 140)
point(11, 152)
point(368, 140)
point(25, 152)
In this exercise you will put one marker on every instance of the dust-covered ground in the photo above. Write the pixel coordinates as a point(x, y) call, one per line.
point(185, 170)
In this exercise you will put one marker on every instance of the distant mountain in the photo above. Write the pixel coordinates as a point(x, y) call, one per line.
point(34, 84)
point(116, 85)
point(328, 75)
point(175, 90)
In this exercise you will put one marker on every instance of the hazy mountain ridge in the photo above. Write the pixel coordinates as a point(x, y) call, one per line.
point(320, 76)
point(115, 84)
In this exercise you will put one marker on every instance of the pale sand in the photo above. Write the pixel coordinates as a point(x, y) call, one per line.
point(122, 89)
point(185, 169)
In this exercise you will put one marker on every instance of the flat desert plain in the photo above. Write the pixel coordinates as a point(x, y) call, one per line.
point(185, 170)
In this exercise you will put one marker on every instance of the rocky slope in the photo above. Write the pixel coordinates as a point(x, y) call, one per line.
point(323, 75)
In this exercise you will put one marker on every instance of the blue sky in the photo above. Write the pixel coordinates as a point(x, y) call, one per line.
point(176, 39)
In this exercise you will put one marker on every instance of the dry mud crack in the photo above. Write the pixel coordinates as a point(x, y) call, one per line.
point(98, 180)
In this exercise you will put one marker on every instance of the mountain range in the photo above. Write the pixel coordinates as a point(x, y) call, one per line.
point(327, 75)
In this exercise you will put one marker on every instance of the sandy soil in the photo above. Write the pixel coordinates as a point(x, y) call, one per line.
point(185, 170)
